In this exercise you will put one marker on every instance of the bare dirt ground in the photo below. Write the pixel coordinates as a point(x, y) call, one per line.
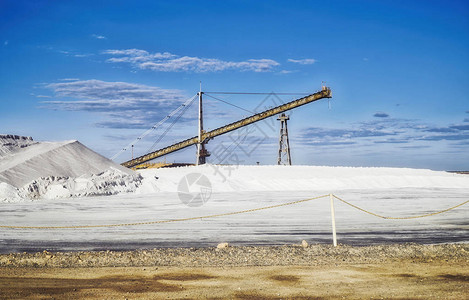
point(393, 271)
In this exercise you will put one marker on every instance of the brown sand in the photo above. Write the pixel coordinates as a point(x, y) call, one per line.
point(394, 271)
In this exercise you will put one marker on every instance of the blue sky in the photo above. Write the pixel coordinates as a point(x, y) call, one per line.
point(102, 72)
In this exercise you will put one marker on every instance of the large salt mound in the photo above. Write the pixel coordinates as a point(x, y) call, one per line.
point(300, 178)
point(19, 165)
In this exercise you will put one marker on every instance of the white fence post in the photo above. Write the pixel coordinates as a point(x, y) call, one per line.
point(334, 235)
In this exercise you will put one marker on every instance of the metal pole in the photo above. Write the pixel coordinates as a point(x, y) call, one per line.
point(280, 139)
point(334, 235)
point(201, 126)
point(288, 142)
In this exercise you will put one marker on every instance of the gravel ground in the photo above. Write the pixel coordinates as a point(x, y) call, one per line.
point(299, 255)
point(400, 271)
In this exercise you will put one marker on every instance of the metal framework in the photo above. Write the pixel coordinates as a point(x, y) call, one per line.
point(204, 137)
point(284, 157)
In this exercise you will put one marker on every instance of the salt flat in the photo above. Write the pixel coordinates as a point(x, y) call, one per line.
point(284, 225)
point(31, 194)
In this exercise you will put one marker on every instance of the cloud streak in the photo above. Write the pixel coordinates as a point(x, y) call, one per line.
point(168, 62)
point(98, 36)
point(345, 133)
point(383, 131)
point(446, 137)
point(306, 61)
point(125, 105)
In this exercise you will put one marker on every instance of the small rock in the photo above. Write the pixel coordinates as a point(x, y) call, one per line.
point(222, 245)
point(304, 244)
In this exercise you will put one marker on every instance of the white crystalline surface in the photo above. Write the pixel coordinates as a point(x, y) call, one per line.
point(70, 158)
point(33, 170)
point(67, 184)
point(49, 170)
point(301, 178)
point(110, 182)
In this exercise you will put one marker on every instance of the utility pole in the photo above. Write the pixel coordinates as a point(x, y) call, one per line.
point(284, 157)
point(201, 151)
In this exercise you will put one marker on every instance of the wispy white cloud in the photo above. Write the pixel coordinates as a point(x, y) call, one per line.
point(69, 79)
point(71, 53)
point(385, 130)
point(126, 105)
point(286, 72)
point(98, 36)
point(82, 55)
point(168, 62)
point(306, 61)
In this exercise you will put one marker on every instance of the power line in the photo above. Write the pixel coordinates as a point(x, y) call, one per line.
point(230, 103)
point(247, 93)
point(188, 101)
point(183, 111)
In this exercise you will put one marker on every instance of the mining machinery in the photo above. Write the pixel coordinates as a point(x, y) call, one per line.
point(204, 136)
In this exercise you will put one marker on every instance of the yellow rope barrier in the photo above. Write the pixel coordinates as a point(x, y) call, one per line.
point(399, 218)
point(230, 214)
point(164, 221)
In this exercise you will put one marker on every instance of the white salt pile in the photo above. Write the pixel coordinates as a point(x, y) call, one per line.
point(31, 170)
point(224, 178)
point(21, 165)
point(110, 182)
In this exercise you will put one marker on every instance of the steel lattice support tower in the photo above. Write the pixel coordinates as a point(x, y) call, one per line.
point(284, 157)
